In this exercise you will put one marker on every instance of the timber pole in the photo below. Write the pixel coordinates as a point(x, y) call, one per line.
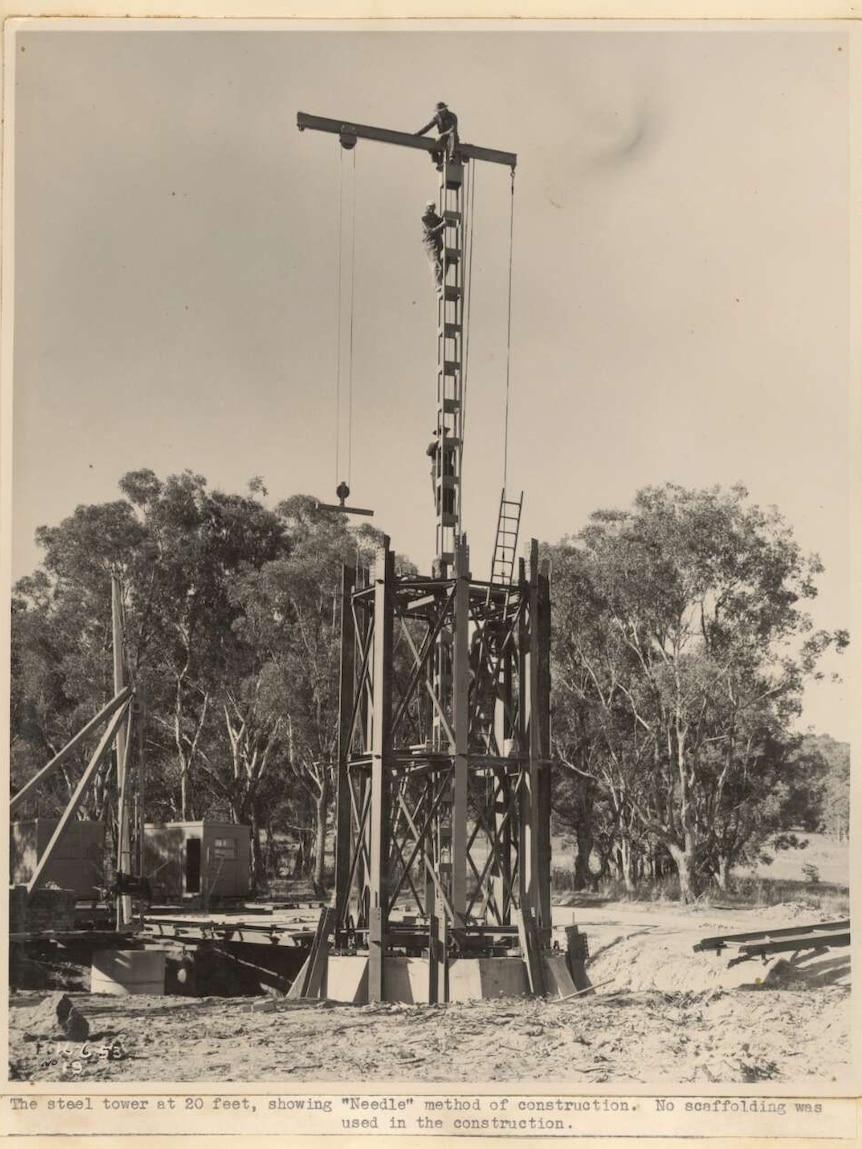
point(124, 902)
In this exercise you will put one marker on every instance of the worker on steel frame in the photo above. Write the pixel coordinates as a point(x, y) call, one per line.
point(433, 226)
point(446, 123)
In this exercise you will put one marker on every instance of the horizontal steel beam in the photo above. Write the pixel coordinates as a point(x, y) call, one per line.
point(344, 510)
point(183, 929)
point(353, 132)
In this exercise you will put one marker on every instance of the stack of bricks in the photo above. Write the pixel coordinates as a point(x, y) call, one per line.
point(48, 910)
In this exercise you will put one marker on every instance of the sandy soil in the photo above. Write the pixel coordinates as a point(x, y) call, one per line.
point(660, 1013)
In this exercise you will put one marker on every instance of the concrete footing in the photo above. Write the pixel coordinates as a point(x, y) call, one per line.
point(470, 979)
point(121, 972)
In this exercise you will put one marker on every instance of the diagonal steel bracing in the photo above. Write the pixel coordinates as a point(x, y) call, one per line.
point(427, 796)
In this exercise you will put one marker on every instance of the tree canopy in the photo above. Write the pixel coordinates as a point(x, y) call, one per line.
point(680, 647)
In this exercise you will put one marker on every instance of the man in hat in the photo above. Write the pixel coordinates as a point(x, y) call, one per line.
point(446, 123)
point(433, 227)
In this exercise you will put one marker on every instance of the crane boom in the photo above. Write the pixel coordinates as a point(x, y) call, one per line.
point(352, 132)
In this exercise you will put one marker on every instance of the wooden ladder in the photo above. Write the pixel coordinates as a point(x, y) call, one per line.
point(506, 541)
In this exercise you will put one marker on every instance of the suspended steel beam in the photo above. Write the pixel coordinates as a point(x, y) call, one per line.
point(349, 133)
point(105, 713)
point(343, 509)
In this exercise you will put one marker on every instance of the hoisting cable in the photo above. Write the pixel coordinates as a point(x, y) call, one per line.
point(339, 365)
point(340, 245)
point(509, 333)
point(352, 298)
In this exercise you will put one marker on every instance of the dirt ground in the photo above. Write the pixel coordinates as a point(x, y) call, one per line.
point(660, 1013)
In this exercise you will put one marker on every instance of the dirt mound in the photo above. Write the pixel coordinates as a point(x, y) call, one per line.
point(644, 961)
point(643, 955)
point(56, 1016)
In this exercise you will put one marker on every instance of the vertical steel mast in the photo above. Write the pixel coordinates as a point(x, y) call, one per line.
point(442, 818)
point(450, 367)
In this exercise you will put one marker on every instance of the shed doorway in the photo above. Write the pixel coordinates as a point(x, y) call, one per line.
point(193, 865)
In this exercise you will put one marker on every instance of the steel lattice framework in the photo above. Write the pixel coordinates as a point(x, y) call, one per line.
point(442, 832)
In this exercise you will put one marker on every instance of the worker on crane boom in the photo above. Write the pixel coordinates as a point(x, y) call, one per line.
point(433, 227)
point(446, 123)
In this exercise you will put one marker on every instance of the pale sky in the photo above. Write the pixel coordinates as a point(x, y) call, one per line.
point(681, 282)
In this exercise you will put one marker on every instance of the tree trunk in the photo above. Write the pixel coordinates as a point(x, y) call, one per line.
point(684, 860)
point(321, 808)
point(626, 856)
point(583, 876)
point(722, 876)
point(258, 867)
point(299, 858)
point(270, 856)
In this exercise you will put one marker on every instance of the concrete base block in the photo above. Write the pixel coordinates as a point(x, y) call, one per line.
point(558, 980)
point(346, 979)
point(121, 972)
point(474, 979)
point(405, 979)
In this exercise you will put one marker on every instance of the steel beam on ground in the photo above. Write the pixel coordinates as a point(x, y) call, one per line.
point(799, 941)
point(725, 940)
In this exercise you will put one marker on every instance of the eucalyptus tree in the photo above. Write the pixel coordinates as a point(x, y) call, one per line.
point(681, 645)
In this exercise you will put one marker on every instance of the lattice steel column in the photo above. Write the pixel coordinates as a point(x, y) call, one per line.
point(450, 395)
